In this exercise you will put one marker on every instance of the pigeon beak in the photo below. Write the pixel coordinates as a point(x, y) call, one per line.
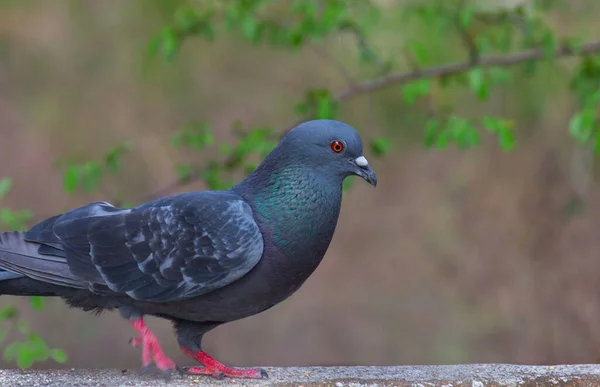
point(363, 170)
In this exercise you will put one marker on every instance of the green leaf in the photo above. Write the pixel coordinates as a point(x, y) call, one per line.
point(154, 45)
point(478, 83)
point(581, 125)
point(332, 14)
point(380, 146)
point(465, 17)
point(443, 139)
point(464, 134)
point(12, 350)
point(502, 129)
point(91, 174)
point(495, 124)
point(320, 102)
point(324, 108)
point(170, 43)
point(415, 90)
point(432, 127)
point(196, 136)
point(249, 27)
point(5, 186)
point(308, 9)
point(483, 44)
point(112, 160)
point(419, 53)
point(25, 357)
point(507, 140)
point(15, 220)
point(70, 179)
point(185, 172)
point(549, 44)
point(59, 356)
point(36, 302)
point(7, 312)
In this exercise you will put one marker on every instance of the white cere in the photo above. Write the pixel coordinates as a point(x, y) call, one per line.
point(361, 161)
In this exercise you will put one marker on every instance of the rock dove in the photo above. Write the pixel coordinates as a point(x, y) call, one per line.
point(199, 259)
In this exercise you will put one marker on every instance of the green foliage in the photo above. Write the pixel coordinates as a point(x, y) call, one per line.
point(10, 219)
point(320, 103)
point(585, 123)
point(411, 92)
point(380, 146)
point(496, 44)
point(32, 349)
point(196, 136)
point(296, 24)
point(88, 175)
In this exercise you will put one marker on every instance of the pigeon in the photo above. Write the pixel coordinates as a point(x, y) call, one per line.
point(199, 259)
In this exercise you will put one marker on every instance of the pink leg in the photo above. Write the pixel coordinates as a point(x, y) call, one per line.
point(216, 369)
point(151, 350)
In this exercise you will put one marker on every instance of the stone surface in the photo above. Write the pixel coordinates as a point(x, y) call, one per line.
point(474, 375)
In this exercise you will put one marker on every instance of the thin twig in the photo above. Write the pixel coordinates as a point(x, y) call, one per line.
point(356, 89)
point(466, 37)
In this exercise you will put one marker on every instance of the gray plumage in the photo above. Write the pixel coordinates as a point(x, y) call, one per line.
point(202, 258)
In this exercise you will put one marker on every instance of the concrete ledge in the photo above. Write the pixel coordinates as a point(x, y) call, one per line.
point(473, 375)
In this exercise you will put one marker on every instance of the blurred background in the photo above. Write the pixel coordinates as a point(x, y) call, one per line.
point(476, 255)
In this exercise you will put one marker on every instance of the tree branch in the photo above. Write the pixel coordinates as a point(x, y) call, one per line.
point(460, 67)
point(356, 89)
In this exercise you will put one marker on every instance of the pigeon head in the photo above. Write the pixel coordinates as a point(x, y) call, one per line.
point(331, 147)
point(296, 192)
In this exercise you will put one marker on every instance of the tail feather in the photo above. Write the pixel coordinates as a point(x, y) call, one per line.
point(8, 275)
point(20, 257)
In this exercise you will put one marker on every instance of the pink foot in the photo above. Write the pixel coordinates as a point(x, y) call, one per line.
point(219, 370)
point(152, 353)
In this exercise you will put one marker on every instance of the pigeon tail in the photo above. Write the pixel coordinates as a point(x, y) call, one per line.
point(6, 275)
point(20, 261)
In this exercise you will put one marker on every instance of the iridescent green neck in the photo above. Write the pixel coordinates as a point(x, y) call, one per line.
point(296, 207)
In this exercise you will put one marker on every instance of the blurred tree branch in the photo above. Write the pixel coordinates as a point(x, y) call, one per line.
point(455, 68)
point(395, 79)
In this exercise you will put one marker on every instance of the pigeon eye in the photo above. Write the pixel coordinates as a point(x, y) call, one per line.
point(337, 146)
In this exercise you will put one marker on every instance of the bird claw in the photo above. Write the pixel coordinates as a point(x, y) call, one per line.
point(264, 374)
point(153, 357)
point(180, 370)
point(148, 369)
point(257, 373)
point(135, 342)
point(217, 369)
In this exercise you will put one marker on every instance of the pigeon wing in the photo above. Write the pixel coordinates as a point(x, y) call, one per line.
point(171, 249)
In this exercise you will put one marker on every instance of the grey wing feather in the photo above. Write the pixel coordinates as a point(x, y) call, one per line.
point(21, 257)
point(174, 248)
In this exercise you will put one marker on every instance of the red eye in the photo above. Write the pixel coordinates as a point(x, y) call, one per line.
point(337, 146)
